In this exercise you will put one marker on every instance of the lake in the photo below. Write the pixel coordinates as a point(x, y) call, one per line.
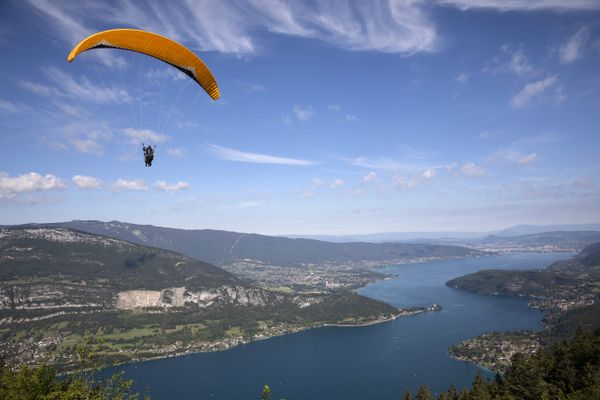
point(372, 362)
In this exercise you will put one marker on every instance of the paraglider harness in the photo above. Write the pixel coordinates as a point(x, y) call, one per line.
point(148, 154)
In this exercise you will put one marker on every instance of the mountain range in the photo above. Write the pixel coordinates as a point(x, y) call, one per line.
point(224, 247)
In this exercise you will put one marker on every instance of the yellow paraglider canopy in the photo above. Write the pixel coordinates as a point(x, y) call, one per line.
point(156, 46)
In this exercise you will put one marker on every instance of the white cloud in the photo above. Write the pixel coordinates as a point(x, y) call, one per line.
point(334, 107)
point(336, 183)
point(399, 180)
point(31, 182)
point(303, 113)
point(471, 169)
point(524, 5)
point(519, 64)
point(235, 26)
point(165, 187)
point(370, 177)
point(511, 61)
point(429, 173)
point(532, 90)
point(573, 49)
point(165, 74)
point(124, 184)
point(462, 78)
point(350, 117)
point(528, 159)
point(317, 183)
point(225, 153)
point(86, 182)
point(138, 136)
point(484, 135)
point(450, 167)
point(385, 26)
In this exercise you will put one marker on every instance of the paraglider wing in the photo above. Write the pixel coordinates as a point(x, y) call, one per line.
point(156, 46)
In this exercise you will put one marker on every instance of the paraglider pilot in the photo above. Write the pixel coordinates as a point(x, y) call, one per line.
point(148, 154)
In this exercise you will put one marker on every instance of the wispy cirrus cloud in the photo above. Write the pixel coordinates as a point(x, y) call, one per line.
point(531, 91)
point(234, 27)
point(65, 85)
point(31, 182)
point(9, 107)
point(574, 47)
point(229, 154)
point(523, 5)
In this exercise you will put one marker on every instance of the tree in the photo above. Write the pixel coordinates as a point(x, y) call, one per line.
point(42, 382)
point(407, 395)
point(266, 393)
point(480, 389)
point(424, 394)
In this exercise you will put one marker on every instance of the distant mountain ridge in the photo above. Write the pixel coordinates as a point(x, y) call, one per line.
point(223, 247)
point(564, 238)
point(449, 236)
point(520, 230)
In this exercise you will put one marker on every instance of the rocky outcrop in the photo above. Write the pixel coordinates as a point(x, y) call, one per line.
point(221, 296)
point(180, 296)
point(36, 296)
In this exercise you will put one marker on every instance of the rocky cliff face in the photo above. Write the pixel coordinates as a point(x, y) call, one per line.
point(222, 296)
point(47, 296)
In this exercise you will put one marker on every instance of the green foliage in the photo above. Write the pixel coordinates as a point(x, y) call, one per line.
point(266, 393)
point(424, 394)
point(570, 370)
point(43, 383)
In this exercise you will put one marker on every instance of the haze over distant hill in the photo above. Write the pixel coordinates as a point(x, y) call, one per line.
point(534, 229)
point(451, 236)
point(565, 240)
point(223, 247)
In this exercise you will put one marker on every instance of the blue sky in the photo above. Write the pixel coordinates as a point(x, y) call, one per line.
point(335, 117)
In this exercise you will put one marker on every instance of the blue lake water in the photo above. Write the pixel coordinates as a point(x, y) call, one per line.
point(373, 362)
